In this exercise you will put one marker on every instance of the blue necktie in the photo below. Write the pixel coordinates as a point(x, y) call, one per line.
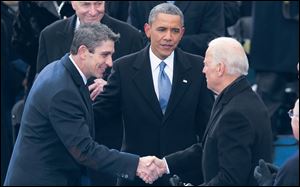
point(164, 87)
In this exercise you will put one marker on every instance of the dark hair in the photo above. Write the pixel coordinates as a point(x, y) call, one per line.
point(165, 8)
point(91, 35)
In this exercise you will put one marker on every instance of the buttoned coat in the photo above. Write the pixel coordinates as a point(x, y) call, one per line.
point(130, 93)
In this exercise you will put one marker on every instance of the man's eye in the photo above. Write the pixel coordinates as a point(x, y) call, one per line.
point(175, 30)
point(161, 29)
point(104, 55)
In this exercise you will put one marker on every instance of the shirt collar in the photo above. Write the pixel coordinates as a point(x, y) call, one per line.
point(78, 69)
point(77, 23)
point(155, 61)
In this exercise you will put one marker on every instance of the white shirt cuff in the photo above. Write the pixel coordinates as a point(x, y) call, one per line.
point(168, 171)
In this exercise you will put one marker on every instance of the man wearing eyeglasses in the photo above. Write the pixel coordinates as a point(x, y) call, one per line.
point(267, 174)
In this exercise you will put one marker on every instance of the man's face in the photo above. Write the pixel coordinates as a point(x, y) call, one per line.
point(98, 61)
point(89, 11)
point(210, 71)
point(295, 121)
point(165, 33)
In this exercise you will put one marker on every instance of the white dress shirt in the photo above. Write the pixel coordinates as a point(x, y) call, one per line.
point(80, 72)
point(155, 61)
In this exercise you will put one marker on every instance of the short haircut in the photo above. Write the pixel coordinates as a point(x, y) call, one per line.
point(91, 35)
point(231, 53)
point(165, 8)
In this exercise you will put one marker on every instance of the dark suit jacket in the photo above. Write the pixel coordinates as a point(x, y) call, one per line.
point(237, 136)
point(203, 21)
point(56, 39)
point(130, 93)
point(288, 175)
point(55, 141)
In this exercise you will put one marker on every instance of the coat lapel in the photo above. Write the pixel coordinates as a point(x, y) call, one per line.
point(144, 81)
point(181, 81)
point(83, 89)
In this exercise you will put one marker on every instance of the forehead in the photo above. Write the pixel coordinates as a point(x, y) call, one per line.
point(84, 2)
point(167, 20)
point(80, 3)
point(107, 45)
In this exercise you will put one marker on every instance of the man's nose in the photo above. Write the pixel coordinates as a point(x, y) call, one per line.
point(93, 10)
point(109, 61)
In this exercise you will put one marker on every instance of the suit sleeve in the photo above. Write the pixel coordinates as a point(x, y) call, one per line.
point(68, 120)
point(235, 137)
point(185, 160)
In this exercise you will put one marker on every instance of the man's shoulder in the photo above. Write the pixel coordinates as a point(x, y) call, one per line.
point(195, 61)
point(119, 26)
point(131, 57)
point(185, 54)
point(59, 25)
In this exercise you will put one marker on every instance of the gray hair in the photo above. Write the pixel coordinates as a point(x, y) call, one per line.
point(232, 53)
point(165, 8)
point(91, 35)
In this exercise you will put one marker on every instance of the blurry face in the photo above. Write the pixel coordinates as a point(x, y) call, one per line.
point(165, 33)
point(210, 70)
point(97, 62)
point(295, 122)
point(89, 11)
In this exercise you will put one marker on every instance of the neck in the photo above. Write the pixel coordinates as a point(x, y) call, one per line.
point(80, 64)
point(228, 79)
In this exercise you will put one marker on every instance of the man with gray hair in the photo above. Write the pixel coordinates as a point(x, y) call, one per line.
point(160, 92)
point(56, 138)
point(238, 133)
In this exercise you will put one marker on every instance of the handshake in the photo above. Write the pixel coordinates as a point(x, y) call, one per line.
point(151, 168)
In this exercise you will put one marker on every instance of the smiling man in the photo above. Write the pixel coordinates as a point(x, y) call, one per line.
point(160, 92)
point(56, 143)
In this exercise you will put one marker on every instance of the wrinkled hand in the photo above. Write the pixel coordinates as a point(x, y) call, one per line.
point(150, 168)
point(265, 173)
point(96, 88)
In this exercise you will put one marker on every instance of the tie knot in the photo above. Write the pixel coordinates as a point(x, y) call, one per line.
point(162, 65)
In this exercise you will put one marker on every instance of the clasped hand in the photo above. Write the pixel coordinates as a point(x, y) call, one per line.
point(151, 168)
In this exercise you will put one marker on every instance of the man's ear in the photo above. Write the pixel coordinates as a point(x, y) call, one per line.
point(82, 51)
point(221, 68)
point(182, 31)
point(147, 29)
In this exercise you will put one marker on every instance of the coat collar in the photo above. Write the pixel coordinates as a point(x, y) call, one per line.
point(235, 88)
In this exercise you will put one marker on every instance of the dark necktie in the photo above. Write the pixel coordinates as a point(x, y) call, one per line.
point(164, 87)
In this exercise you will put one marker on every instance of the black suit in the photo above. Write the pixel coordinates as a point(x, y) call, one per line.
point(237, 136)
point(147, 131)
point(56, 39)
point(203, 21)
point(55, 141)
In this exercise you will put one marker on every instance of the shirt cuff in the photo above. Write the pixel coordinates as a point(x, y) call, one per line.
point(166, 164)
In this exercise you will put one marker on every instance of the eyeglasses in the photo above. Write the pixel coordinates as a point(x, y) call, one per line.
point(291, 113)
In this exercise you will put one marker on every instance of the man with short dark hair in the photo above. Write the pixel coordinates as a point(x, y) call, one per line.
point(56, 138)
